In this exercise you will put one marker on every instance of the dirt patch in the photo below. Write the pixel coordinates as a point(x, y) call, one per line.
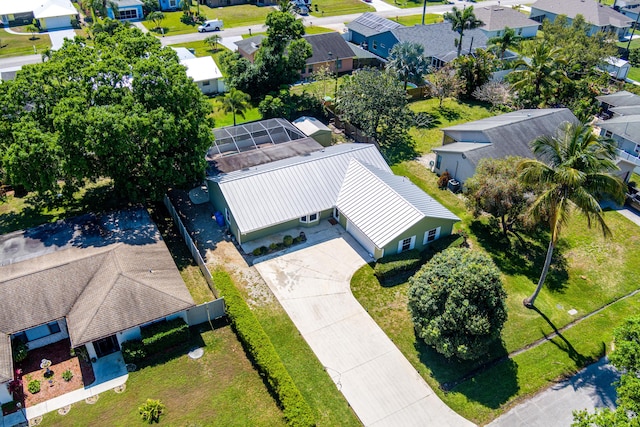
point(53, 385)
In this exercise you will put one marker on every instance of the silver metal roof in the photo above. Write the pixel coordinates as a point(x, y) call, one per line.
point(287, 189)
point(460, 147)
point(383, 205)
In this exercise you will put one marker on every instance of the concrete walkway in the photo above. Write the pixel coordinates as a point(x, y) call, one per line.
point(141, 27)
point(57, 37)
point(631, 214)
point(312, 283)
point(589, 389)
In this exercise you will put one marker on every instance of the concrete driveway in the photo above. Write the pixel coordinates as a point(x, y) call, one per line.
point(589, 389)
point(312, 284)
point(57, 37)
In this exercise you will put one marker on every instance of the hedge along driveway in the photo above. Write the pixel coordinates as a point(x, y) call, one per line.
point(312, 284)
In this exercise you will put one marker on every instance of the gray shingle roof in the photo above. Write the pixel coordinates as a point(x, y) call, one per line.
point(383, 205)
point(6, 359)
point(592, 11)
point(508, 134)
point(250, 45)
point(369, 24)
point(438, 40)
point(497, 18)
point(103, 274)
point(628, 110)
point(627, 127)
point(622, 98)
point(324, 43)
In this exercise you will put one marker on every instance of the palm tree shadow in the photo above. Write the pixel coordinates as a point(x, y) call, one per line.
point(563, 343)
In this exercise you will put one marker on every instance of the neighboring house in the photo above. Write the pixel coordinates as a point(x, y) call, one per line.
point(170, 4)
point(629, 8)
point(203, 70)
point(622, 98)
point(315, 129)
point(127, 10)
point(248, 47)
point(616, 67)
point(330, 50)
point(95, 280)
point(9, 73)
point(496, 18)
point(510, 134)
point(601, 17)
point(349, 183)
point(439, 41)
point(368, 29)
point(625, 131)
point(49, 14)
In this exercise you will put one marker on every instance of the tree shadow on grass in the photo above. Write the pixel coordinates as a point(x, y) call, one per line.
point(514, 258)
point(562, 343)
point(449, 114)
point(490, 381)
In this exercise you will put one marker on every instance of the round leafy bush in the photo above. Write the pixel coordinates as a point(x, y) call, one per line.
point(151, 410)
point(33, 386)
point(287, 240)
point(20, 350)
point(457, 303)
point(67, 375)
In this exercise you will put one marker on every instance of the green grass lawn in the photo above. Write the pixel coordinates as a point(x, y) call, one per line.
point(339, 7)
point(635, 44)
point(21, 44)
point(588, 273)
point(634, 74)
point(226, 119)
point(233, 16)
point(452, 113)
point(403, 4)
point(411, 20)
point(221, 388)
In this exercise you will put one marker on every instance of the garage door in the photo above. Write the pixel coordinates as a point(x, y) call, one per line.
point(57, 22)
point(362, 238)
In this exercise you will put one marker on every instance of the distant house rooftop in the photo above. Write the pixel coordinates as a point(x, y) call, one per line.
point(327, 47)
point(622, 98)
point(498, 17)
point(593, 12)
point(250, 45)
point(202, 69)
point(627, 127)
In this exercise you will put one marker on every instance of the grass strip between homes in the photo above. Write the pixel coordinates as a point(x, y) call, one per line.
point(256, 342)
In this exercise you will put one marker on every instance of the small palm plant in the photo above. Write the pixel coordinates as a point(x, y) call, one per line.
point(151, 411)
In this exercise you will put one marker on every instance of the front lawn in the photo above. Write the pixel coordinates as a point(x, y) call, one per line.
point(339, 7)
point(451, 113)
point(403, 4)
point(411, 20)
point(588, 273)
point(226, 119)
point(634, 74)
point(233, 16)
point(21, 44)
point(221, 388)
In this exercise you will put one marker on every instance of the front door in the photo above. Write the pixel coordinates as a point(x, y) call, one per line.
point(106, 346)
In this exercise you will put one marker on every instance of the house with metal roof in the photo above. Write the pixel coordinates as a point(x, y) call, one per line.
point(348, 183)
point(510, 134)
point(496, 18)
point(49, 14)
point(600, 16)
point(94, 280)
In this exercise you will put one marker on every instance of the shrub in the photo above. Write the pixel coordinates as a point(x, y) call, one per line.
point(67, 375)
point(287, 240)
point(257, 252)
point(151, 410)
point(163, 335)
point(20, 350)
point(81, 352)
point(256, 342)
point(33, 386)
point(133, 351)
point(396, 264)
point(444, 179)
point(457, 303)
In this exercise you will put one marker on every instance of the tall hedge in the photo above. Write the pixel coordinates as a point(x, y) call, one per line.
point(163, 335)
point(296, 410)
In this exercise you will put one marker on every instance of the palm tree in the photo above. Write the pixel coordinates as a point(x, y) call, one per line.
point(237, 102)
point(541, 72)
point(33, 29)
point(213, 41)
point(156, 17)
point(577, 173)
point(407, 60)
point(507, 40)
point(460, 21)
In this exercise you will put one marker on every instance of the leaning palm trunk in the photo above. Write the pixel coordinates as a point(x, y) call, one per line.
point(529, 302)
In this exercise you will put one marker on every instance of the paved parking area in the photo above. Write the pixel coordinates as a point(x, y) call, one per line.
point(312, 284)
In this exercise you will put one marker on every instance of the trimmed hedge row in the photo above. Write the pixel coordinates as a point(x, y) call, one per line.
point(296, 410)
point(163, 335)
point(133, 351)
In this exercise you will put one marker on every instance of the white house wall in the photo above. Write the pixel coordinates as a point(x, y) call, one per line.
point(50, 339)
point(458, 167)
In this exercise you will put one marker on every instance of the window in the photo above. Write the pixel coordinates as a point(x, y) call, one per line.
point(431, 235)
point(173, 3)
point(519, 31)
point(206, 83)
point(127, 14)
point(54, 328)
point(608, 134)
point(438, 161)
point(407, 244)
point(309, 218)
point(336, 213)
point(375, 45)
point(41, 331)
point(227, 215)
point(310, 71)
point(339, 64)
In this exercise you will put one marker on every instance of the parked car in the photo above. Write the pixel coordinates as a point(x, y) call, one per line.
point(211, 25)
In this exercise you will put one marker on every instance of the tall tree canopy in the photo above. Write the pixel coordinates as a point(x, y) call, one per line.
point(574, 173)
point(407, 61)
point(121, 108)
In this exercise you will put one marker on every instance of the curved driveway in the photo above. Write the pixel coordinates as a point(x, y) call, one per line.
point(313, 285)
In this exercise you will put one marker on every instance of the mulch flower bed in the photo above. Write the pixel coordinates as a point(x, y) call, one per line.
point(61, 360)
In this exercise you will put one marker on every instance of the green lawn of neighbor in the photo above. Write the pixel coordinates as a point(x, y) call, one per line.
point(451, 113)
point(403, 4)
point(226, 119)
point(21, 44)
point(317, 30)
point(634, 74)
point(233, 16)
point(221, 388)
point(339, 7)
point(411, 20)
point(588, 272)
point(635, 44)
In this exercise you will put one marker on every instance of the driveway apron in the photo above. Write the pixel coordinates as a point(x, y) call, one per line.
point(313, 286)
